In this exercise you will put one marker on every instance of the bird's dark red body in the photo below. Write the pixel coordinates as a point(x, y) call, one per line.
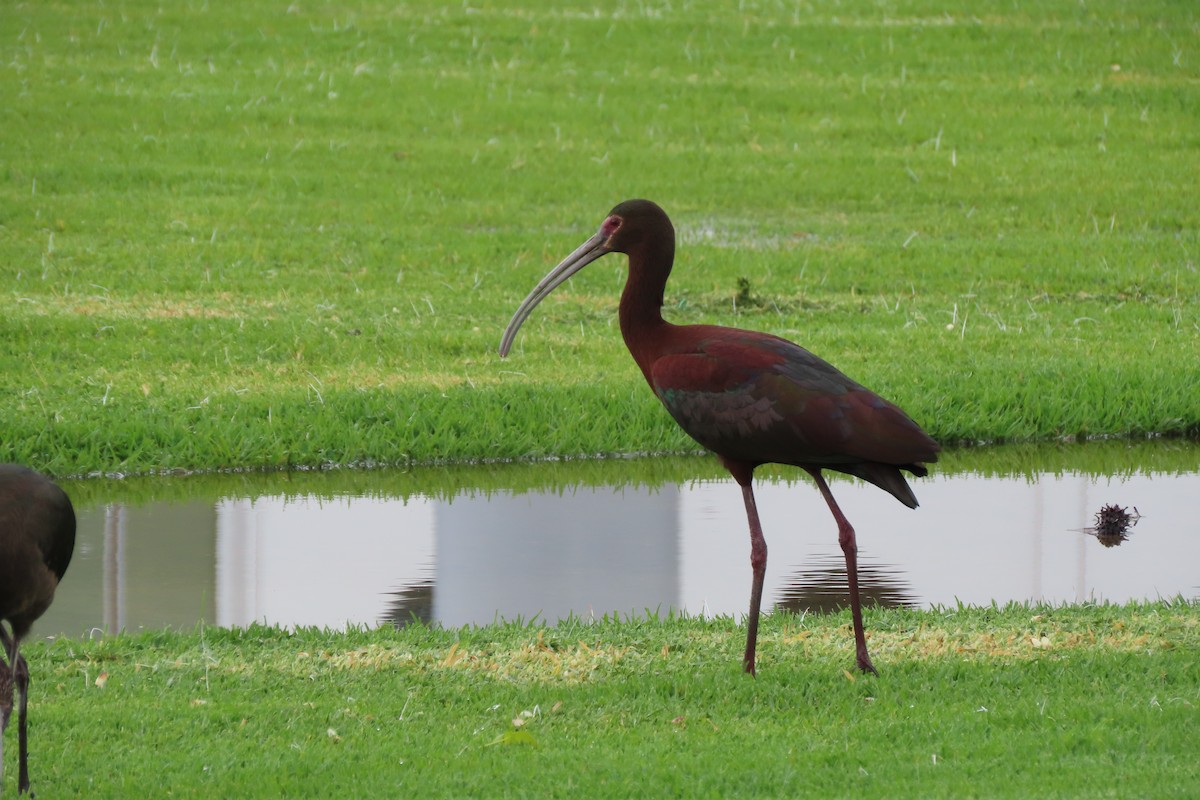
point(751, 398)
point(758, 399)
point(37, 539)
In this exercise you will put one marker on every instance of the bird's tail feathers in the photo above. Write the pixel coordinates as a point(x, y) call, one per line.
point(888, 478)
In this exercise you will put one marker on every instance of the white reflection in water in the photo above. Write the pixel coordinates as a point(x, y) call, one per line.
point(315, 561)
point(590, 551)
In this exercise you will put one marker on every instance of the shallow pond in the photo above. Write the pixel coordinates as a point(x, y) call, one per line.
point(475, 544)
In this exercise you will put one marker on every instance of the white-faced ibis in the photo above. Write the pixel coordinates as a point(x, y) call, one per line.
point(37, 538)
point(749, 397)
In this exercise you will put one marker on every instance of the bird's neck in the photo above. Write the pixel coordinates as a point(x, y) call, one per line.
point(640, 312)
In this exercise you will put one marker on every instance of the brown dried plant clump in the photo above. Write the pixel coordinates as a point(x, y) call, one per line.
point(1113, 523)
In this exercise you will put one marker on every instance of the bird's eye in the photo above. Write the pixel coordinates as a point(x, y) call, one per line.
point(611, 226)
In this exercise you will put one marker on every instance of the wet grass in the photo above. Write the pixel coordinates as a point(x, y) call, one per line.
point(1003, 702)
point(272, 236)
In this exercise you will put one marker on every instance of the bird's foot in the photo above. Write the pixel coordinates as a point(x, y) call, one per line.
point(865, 665)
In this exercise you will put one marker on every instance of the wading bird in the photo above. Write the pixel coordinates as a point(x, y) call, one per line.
point(749, 397)
point(37, 538)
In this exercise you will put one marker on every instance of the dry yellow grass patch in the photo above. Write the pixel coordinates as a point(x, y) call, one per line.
point(1043, 634)
point(534, 661)
point(218, 305)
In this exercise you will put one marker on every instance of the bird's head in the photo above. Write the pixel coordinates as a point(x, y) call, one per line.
point(628, 228)
point(633, 223)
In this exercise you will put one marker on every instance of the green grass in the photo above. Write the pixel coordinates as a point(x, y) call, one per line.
point(1091, 701)
point(1110, 459)
point(263, 235)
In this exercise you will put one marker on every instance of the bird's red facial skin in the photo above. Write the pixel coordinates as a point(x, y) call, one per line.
point(610, 226)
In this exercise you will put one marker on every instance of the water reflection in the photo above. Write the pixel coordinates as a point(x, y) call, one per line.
point(364, 548)
point(821, 587)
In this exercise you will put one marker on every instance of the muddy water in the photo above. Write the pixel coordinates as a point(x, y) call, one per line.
point(474, 544)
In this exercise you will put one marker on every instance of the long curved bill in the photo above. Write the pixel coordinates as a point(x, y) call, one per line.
point(585, 254)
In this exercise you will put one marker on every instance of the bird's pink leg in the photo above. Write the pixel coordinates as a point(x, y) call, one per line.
point(850, 548)
point(20, 686)
point(9, 644)
point(6, 687)
point(21, 673)
point(758, 564)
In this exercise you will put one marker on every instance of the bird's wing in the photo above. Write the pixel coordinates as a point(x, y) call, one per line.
point(759, 398)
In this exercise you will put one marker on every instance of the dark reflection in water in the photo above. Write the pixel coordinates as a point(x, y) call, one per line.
point(822, 587)
point(411, 604)
point(463, 545)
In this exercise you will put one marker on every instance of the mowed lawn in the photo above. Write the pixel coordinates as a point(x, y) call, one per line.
point(1089, 701)
point(263, 235)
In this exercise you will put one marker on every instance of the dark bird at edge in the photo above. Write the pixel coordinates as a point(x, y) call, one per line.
point(751, 398)
point(37, 539)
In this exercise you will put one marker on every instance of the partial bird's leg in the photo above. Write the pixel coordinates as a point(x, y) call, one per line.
point(758, 564)
point(20, 687)
point(850, 549)
point(6, 693)
point(5, 711)
point(21, 674)
point(10, 650)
